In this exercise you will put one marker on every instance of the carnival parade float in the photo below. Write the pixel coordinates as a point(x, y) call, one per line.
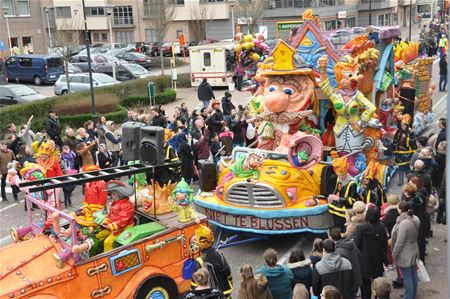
point(315, 105)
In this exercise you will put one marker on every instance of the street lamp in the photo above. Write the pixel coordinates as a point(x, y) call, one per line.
point(109, 11)
point(47, 12)
point(233, 29)
point(5, 11)
point(88, 52)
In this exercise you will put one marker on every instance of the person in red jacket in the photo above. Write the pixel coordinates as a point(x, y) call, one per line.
point(47, 156)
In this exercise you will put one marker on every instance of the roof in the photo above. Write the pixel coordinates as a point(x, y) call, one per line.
point(38, 56)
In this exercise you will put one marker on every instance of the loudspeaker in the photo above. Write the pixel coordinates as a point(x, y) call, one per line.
point(151, 148)
point(207, 175)
point(131, 132)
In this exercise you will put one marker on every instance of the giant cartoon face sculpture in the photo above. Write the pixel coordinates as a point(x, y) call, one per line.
point(288, 87)
point(290, 93)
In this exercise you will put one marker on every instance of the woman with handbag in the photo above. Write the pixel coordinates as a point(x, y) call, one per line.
point(405, 249)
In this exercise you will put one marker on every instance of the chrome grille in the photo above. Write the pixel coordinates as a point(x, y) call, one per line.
point(259, 195)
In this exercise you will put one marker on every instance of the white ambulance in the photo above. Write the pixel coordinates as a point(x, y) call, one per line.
point(214, 62)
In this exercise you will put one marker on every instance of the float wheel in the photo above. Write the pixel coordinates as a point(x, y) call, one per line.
point(157, 288)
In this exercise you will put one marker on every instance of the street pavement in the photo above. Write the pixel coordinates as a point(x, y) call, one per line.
point(13, 215)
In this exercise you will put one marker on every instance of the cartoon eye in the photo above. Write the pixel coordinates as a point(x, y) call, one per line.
point(350, 75)
point(358, 73)
point(288, 91)
point(273, 88)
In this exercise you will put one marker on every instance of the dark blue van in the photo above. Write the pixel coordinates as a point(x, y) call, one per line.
point(34, 68)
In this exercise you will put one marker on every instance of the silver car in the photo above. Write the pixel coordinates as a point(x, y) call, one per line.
point(80, 82)
point(11, 94)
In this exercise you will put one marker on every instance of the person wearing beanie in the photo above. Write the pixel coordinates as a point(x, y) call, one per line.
point(227, 105)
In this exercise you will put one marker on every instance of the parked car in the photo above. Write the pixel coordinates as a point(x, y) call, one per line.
point(359, 30)
point(207, 42)
point(34, 68)
point(135, 57)
point(81, 81)
point(74, 69)
point(129, 71)
point(11, 94)
point(99, 63)
point(154, 49)
point(425, 15)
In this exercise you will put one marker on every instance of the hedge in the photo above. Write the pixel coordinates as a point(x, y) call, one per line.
point(20, 113)
point(165, 97)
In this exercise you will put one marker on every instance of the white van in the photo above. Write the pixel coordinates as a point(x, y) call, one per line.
point(214, 62)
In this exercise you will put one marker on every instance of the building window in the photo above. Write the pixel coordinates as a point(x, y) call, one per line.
point(124, 37)
point(146, 7)
point(23, 6)
point(350, 22)
point(100, 37)
point(9, 5)
point(104, 37)
point(63, 12)
point(123, 15)
point(95, 11)
point(150, 35)
point(380, 20)
point(330, 25)
point(324, 3)
point(177, 2)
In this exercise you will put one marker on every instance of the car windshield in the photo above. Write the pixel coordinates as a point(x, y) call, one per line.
point(20, 91)
point(137, 69)
point(102, 78)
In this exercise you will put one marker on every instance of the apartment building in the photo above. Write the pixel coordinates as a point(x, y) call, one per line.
point(25, 22)
point(43, 23)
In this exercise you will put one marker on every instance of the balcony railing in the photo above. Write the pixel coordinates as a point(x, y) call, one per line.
point(303, 3)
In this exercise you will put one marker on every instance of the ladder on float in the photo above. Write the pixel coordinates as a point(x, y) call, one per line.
point(96, 175)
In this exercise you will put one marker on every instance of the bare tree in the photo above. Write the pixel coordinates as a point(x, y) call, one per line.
point(199, 17)
point(65, 38)
point(161, 12)
point(252, 11)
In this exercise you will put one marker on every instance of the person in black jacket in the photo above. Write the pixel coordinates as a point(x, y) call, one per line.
point(215, 121)
point(159, 120)
point(104, 157)
point(300, 268)
point(443, 73)
point(371, 239)
point(53, 127)
point(186, 157)
point(205, 93)
point(390, 213)
point(346, 248)
point(237, 126)
point(333, 270)
point(442, 133)
point(227, 106)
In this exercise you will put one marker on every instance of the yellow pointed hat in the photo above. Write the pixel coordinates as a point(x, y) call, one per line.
point(284, 62)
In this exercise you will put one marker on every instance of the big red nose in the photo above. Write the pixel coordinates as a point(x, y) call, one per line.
point(276, 101)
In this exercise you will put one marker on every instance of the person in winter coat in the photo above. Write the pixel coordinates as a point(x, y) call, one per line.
point(253, 287)
point(438, 172)
point(227, 105)
point(346, 248)
point(214, 146)
point(371, 239)
point(205, 93)
point(417, 201)
point(300, 267)
point(404, 146)
point(216, 121)
point(104, 157)
point(113, 142)
point(53, 127)
point(203, 290)
point(280, 278)
point(356, 216)
point(101, 129)
point(316, 252)
point(333, 270)
point(237, 126)
point(390, 213)
point(226, 138)
point(6, 157)
point(186, 157)
point(442, 135)
point(405, 250)
point(159, 120)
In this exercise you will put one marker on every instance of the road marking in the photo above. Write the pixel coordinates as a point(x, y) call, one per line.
point(285, 257)
point(10, 206)
point(441, 100)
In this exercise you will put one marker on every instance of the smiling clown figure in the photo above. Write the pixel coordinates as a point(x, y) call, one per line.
point(181, 201)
